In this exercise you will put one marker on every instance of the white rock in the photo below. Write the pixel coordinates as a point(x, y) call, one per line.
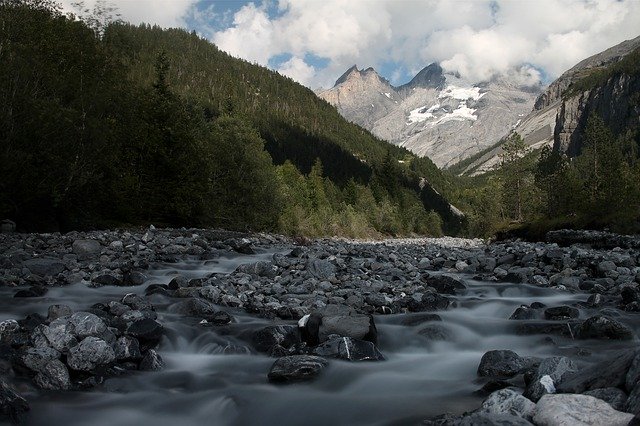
point(577, 410)
point(508, 401)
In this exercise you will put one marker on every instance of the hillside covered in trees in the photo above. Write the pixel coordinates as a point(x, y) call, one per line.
point(104, 125)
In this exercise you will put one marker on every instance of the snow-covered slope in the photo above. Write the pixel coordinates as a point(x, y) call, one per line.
point(436, 115)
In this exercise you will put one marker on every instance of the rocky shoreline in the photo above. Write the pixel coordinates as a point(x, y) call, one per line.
point(324, 299)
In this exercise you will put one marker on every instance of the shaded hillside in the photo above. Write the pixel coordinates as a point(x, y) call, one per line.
point(140, 124)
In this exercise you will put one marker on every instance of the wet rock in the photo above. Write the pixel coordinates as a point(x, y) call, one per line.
point(633, 373)
point(260, 269)
point(57, 335)
point(428, 302)
point(84, 324)
point(501, 363)
point(348, 349)
point(296, 368)
point(547, 376)
point(178, 282)
point(356, 326)
point(569, 410)
point(320, 268)
point(53, 376)
point(146, 329)
point(127, 349)
point(524, 313)
point(152, 361)
point(33, 291)
point(133, 278)
point(12, 404)
point(137, 302)
point(36, 359)
point(265, 339)
point(44, 267)
point(89, 354)
point(566, 329)
point(107, 280)
point(611, 372)
point(561, 313)
point(58, 311)
point(508, 401)
point(601, 327)
point(435, 332)
point(490, 419)
point(195, 307)
point(241, 246)
point(418, 319)
point(612, 396)
point(86, 249)
point(444, 284)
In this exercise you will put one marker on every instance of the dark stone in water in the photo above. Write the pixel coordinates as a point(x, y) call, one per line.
point(611, 372)
point(265, 339)
point(524, 313)
point(296, 368)
point(444, 284)
point(33, 291)
point(601, 327)
point(550, 372)
point(501, 363)
point(492, 386)
point(146, 329)
point(107, 279)
point(151, 361)
point(566, 329)
point(348, 349)
point(435, 331)
point(561, 313)
point(12, 404)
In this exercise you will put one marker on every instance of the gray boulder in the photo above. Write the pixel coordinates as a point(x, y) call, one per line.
point(348, 349)
point(491, 419)
point(152, 361)
point(127, 349)
point(12, 404)
point(296, 368)
point(53, 376)
point(36, 358)
point(508, 401)
point(501, 363)
point(86, 249)
point(356, 326)
point(321, 269)
point(572, 410)
point(548, 375)
point(44, 267)
point(89, 354)
point(611, 372)
point(601, 327)
point(58, 311)
point(612, 396)
point(85, 324)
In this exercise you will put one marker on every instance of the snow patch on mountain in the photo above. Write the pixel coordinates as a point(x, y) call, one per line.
point(461, 93)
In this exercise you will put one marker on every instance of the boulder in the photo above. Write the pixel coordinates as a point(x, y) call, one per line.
point(267, 338)
point(12, 404)
point(86, 249)
point(92, 352)
point(444, 284)
point(601, 327)
point(57, 335)
point(84, 324)
point(127, 349)
point(36, 359)
point(44, 267)
point(348, 349)
point(152, 361)
point(260, 269)
point(612, 396)
point(53, 376)
point(419, 319)
point(195, 307)
point(561, 313)
point(508, 401)
point(501, 363)
point(572, 410)
point(137, 302)
point(108, 279)
point(320, 268)
point(146, 329)
point(356, 326)
point(548, 375)
point(57, 311)
point(490, 419)
point(436, 332)
point(296, 368)
point(611, 372)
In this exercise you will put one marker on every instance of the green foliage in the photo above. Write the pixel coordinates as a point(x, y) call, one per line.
point(103, 122)
point(629, 65)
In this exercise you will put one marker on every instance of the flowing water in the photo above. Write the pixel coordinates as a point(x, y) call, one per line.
point(201, 385)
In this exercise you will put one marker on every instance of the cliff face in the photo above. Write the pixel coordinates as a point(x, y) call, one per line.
point(617, 102)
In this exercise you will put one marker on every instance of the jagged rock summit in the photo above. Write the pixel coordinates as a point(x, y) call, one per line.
point(436, 114)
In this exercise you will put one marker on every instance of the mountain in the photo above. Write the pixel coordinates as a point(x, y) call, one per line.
point(605, 83)
point(436, 115)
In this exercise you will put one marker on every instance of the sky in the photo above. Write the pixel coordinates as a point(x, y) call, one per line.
point(315, 41)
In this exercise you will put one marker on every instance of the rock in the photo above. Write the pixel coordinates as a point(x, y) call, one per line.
point(151, 361)
point(572, 410)
point(265, 339)
point(36, 359)
point(490, 419)
point(566, 329)
point(178, 282)
point(633, 374)
point(296, 368)
point(321, 269)
point(58, 311)
point(501, 363)
point(33, 291)
point(133, 278)
point(418, 319)
point(136, 302)
point(428, 302)
point(601, 327)
point(561, 313)
point(195, 307)
point(92, 352)
point(444, 284)
point(508, 401)
point(44, 267)
point(348, 349)
point(611, 372)
point(356, 326)
point(524, 313)
point(86, 249)
point(548, 375)
point(84, 324)
point(241, 246)
point(107, 279)
point(612, 396)
point(57, 335)
point(12, 404)
point(261, 269)
point(146, 329)
point(53, 376)
point(127, 349)
point(435, 332)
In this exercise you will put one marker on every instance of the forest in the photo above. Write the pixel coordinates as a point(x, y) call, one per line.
point(107, 124)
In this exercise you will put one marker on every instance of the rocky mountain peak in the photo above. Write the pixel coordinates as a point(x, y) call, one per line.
point(354, 74)
point(430, 76)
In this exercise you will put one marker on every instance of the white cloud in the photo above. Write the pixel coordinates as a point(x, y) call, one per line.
point(299, 70)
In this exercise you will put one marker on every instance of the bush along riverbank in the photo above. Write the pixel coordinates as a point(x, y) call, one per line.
point(220, 326)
